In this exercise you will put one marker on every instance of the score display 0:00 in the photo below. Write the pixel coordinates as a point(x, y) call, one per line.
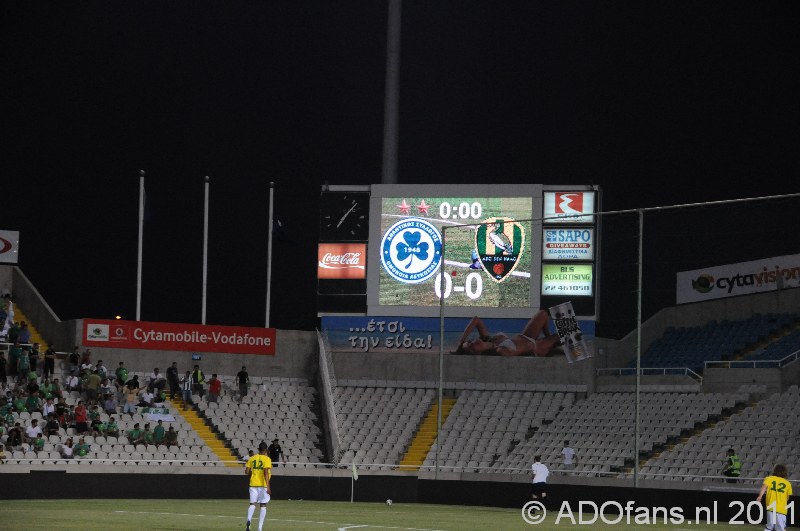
point(462, 210)
point(473, 286)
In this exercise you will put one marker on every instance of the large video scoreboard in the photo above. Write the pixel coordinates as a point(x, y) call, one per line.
point(506, 250)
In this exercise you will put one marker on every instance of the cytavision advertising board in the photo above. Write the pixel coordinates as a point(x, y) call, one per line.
point(744, 278)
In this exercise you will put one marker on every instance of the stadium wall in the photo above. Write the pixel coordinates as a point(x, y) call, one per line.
point(295, 357)
point(402, 366)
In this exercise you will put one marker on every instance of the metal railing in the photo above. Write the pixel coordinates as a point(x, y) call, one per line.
point(651, 371)
point(754, 364)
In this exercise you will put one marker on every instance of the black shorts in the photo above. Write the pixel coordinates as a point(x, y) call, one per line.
point(539, 488)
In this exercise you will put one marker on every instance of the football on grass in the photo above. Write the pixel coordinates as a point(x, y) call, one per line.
point(388, 502)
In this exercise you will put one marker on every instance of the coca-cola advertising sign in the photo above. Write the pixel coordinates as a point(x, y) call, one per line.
point(342, 260)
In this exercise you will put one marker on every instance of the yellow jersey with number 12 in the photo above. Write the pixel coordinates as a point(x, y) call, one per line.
point(259, 466)
point(778, 492)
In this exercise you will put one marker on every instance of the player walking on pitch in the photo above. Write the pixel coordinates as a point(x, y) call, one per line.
point(778, 489)
point(259, 468)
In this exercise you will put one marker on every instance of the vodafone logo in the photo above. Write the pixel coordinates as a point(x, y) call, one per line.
point(569, 203)
point(5, 245)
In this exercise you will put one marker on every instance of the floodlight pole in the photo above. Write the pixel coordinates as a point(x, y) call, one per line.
point(441, 355)
point(205, 251)
point(139, 254)
point(637, 420)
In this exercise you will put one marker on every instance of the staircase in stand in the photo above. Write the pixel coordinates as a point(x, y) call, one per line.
point(425, 436)
point(211, 439)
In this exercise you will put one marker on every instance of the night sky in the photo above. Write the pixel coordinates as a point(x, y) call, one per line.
point(657, 102)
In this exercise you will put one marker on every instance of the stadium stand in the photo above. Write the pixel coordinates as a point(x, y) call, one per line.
point(283, 408)
point(714, 341)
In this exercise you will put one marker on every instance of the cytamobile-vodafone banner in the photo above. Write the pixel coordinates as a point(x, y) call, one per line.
point(176, 336)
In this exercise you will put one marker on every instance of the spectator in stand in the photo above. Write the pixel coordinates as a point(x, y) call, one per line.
point(173, 380)
point(13, 332)
point(3, 369)
point(72, 383)
point(98, 427)
point(48, 408)
point(46, 389)
point(23, 365)
point(67, 450)
point(92, 385)
point(214, 388)
point(158, 433)
point(157, 382)
point(101, 370)
point(131, 396)
point(171, 437)
point(74, 360)
point(243, 379)
point(51, 426)
point(121, 373)
point(81, 449)
point(732, 468)
point(49, 362)
point(15, 436)
point(86, 360)
point(38, 443)
point(105, 388)
point(135, 435)
point(81, 417)
point(112, 429)
point(34, 358)
point(147, 435)
point(61, 411)
point(110, 405)
point(3, 450)
point(94, 411)
point(570, 458)
point(14, 353)
point(24, 334)
point(197, 381)
point(187, 389)
point(32, 387)
point(32, 431)
point(33, 403)
point(146, 399)
point(57, 392)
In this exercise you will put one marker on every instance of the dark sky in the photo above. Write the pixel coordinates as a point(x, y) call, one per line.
point(657, 102)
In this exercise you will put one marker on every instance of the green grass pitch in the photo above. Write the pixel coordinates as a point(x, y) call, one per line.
point(102, 515)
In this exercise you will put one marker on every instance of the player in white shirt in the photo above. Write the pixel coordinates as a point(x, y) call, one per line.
point(540, 473)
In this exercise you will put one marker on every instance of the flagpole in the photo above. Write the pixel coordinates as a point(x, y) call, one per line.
point(205, 252)
point(269, 250)
point(139, 254)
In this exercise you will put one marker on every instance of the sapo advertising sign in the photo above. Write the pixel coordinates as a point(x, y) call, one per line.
point(568, 244)
point(177, 336)
point(744, 278)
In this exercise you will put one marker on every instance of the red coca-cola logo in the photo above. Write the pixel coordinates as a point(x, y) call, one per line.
point(341, 259)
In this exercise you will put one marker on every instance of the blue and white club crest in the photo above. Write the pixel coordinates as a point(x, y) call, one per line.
point(411, 250)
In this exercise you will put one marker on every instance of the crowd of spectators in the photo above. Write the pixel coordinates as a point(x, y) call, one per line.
point(29, 386)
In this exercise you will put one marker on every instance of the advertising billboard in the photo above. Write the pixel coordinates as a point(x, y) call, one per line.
point(568, 244)
point(107, 333)
point(569, 207)
point(568, 280)
point(744, 278)
point(342, 260)
point(9, 246)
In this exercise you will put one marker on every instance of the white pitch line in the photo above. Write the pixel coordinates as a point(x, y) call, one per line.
point(347, 526)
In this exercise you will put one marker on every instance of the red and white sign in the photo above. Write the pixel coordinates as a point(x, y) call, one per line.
point(9, 246)
point(568, 207)
point(342, 260)
point(177, 336)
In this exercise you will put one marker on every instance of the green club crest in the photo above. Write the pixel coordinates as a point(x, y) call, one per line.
point(499, 243)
